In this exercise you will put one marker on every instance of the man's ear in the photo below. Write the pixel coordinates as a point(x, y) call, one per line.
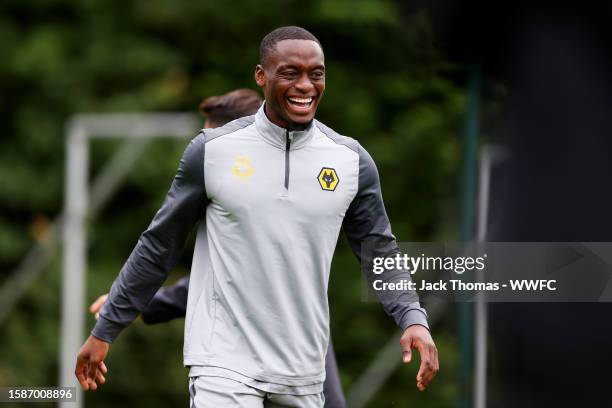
point(260, 75)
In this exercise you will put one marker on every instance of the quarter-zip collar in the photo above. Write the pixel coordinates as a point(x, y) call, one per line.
point(277, 136)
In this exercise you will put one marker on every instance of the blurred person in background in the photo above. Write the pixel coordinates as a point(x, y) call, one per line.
point(171, 302)
point(257, 324)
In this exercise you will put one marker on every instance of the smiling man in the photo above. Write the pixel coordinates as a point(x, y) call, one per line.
point(292, 75)
point(274, 189)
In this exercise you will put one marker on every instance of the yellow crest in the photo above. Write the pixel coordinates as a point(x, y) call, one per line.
point(328, 179)
point(242, 168)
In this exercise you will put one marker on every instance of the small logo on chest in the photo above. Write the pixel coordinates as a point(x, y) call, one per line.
point(328, 179)
point(242, 168)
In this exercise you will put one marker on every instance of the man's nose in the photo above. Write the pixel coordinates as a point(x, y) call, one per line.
point(304, 84)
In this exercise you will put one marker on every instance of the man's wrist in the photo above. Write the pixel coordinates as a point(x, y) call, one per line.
point(414, 317)
point(106, 330)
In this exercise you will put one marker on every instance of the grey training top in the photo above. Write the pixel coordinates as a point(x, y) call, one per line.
point(170, 302)
point(272, 202)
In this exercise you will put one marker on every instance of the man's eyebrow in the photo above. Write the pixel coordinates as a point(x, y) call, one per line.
point(296, 66)
point(286, 66)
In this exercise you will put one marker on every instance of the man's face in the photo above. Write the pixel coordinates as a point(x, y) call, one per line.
point(293, 81)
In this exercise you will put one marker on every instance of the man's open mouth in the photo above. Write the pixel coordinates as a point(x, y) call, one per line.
point(302, 103)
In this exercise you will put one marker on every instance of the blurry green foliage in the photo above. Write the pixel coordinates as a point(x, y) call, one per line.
point(387, 86)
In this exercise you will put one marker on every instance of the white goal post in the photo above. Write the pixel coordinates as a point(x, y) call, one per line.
point(80, 129)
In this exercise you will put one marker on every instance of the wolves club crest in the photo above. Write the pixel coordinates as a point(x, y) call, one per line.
point(328, 179)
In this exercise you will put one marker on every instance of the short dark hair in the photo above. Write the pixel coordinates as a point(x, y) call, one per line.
point(268, 43)
point(232, 105)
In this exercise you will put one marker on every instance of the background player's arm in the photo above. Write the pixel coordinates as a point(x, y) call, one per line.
point(168, 303)
point(155, 254)
point(366, 225)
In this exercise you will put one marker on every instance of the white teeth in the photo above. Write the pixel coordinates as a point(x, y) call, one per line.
point(301, 100)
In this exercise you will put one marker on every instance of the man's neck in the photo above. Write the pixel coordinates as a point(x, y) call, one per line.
point(288, 125)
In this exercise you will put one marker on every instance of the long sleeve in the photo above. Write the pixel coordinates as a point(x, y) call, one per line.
point(168, 303)
point(368, 230)
point(159, 247)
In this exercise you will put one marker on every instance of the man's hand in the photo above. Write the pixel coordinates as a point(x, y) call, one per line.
point(95, 307)
point(90, 367)
point(418, 337)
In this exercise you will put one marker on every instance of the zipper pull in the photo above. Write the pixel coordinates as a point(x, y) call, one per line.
point(289, 140)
